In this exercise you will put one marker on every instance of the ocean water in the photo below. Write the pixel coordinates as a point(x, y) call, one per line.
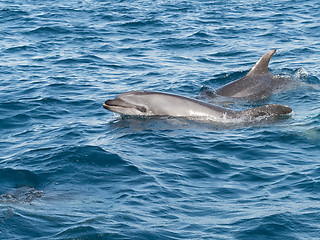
point(70, 169)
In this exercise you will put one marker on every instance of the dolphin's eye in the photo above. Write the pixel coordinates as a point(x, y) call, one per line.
point(142, 109)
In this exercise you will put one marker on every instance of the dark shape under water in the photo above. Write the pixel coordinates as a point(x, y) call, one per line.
point(21, 194)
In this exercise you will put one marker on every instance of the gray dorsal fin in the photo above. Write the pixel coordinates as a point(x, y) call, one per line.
point(261, 67)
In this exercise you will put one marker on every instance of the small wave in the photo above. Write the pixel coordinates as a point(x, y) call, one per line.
point(142, 23)
point(79, 232)
point(181, 43)
point(10, 14)
point(201, 34)
point(85, 59)
point(45, 31)
point(83, 155)
point(90, 155)
point(72, 61)
point(312, 134)
point(208, 60)
point(72, 164)
point(19, 182)
point(12, 105)
point(19, 49)
point(230, 53)
point(16, 121)
point(275, 226)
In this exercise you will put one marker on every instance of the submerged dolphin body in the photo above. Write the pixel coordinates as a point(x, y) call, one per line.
point(257, 84)
point(142, 103)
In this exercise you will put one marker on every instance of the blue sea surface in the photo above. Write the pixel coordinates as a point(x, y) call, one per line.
point(70, 169)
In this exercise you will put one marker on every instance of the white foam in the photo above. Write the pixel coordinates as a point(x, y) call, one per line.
point(301, 73)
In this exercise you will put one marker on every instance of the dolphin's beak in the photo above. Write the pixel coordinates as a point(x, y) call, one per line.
point(107, 104)
point(116, 104)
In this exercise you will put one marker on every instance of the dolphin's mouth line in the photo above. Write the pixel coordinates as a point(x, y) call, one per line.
point(108, 106)
point(120, 103)
point(115, 103)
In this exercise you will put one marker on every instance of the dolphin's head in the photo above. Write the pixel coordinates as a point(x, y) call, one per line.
point(268, 110)
point(128, 104)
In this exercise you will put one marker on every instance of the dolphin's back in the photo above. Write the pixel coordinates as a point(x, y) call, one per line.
point(248, 87)
point(174, 105)
point(258, 83)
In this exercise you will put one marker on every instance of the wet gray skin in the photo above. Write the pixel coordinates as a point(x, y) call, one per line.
point(257, 84)
point(142, 103)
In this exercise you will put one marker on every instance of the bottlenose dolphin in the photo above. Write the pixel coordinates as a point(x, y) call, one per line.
point(142, 103)
point(257, 84)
